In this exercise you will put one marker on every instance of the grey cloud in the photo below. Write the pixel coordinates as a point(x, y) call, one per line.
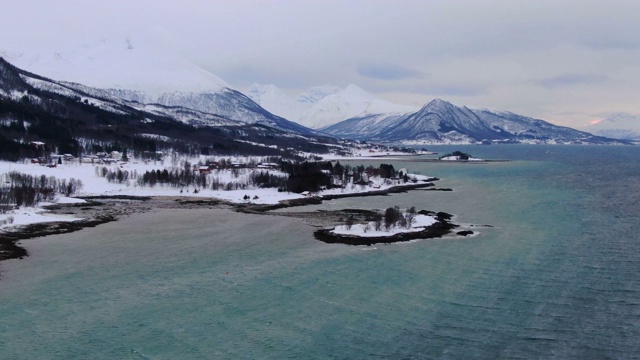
point(432, 89)
point(571, 80)
point(245, 75)
point(453, 90)
point(388, 72)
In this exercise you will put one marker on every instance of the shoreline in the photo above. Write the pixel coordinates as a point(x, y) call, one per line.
point(102, 209)
point(442, 227)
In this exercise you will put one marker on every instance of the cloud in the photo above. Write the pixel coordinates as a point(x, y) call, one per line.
point(435, 89)
point(571, 80)
point(454, 90)
point(287, 77)
point(389, 72)
point(513, 55)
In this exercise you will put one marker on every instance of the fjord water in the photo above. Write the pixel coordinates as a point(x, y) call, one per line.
point(557, 276)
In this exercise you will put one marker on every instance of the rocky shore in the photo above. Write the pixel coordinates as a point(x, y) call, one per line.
point(102, 209)
point(441, 227)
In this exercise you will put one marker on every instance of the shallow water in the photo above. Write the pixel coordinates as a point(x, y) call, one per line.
point(557, 277)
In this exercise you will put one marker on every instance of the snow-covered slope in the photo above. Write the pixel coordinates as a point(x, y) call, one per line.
point(347, 103)
point(324, 105)
point(145, 71)
point(618, 126)
point(442, 122)
point(134, 63)
point(271, 98)
point(105, 100)
point(67, 116)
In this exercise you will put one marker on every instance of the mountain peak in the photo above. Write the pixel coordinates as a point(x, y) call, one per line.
point(257, 91)
point(437, 104)
point(440, 122)
point(353, 88)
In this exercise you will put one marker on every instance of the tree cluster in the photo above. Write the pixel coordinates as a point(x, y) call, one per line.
point(27, 190)
point(115, 176)
point(313, 176)
point(393, 217)
point(264, 179)
point(459, 154)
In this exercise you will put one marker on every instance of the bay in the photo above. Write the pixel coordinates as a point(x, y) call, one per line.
point(555, 277)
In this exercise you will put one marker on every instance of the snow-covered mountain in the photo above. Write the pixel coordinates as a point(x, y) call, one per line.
point(74, 118)
point(618, 126)
point(142, 70)
point(322, 106)
point(137, 63)
point(271, 98)
point(442, 122)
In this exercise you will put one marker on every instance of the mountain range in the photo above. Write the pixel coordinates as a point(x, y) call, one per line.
point(139, 70)
point(441, 122)
point(74, 118)
point(134, 75)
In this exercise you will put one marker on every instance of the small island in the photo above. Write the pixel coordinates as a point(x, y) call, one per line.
point(391, 227)
point(458, 156)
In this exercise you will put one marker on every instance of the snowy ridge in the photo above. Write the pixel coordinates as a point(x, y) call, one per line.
point(69, 92)
point(109, 101)
point(140, 69)
point(276, 101)
point(322, 106)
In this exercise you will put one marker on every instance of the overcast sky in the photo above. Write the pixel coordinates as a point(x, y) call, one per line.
point(568, 62)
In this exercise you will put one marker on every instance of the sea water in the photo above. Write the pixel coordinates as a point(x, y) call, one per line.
point(555, 276)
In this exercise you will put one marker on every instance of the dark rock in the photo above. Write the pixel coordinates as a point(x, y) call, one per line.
point(439, 229)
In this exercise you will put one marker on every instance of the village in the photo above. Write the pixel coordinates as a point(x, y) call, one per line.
point(239, 179)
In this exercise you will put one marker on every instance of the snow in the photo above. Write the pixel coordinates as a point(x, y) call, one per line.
point(265, 196)
point(274, 100)
point(155, 136)
point(419, 224)
point(30, 215)
point(368, 153)
point(94, 185)
point(68, 200)
point(59, 89)
point(457, 158)
point(138, 62)
point(319, 107)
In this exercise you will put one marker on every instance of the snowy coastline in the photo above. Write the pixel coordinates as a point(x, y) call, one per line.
point(94, 185)
point(101, 201)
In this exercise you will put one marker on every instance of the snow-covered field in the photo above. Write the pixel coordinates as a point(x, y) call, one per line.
point(365, 154)
point(94, 185)
point(420, 223)
point(32, 215)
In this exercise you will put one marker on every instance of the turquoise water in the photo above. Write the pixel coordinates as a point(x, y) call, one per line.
point(556, 277)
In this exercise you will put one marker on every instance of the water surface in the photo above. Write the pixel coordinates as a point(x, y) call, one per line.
point(557, 277)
